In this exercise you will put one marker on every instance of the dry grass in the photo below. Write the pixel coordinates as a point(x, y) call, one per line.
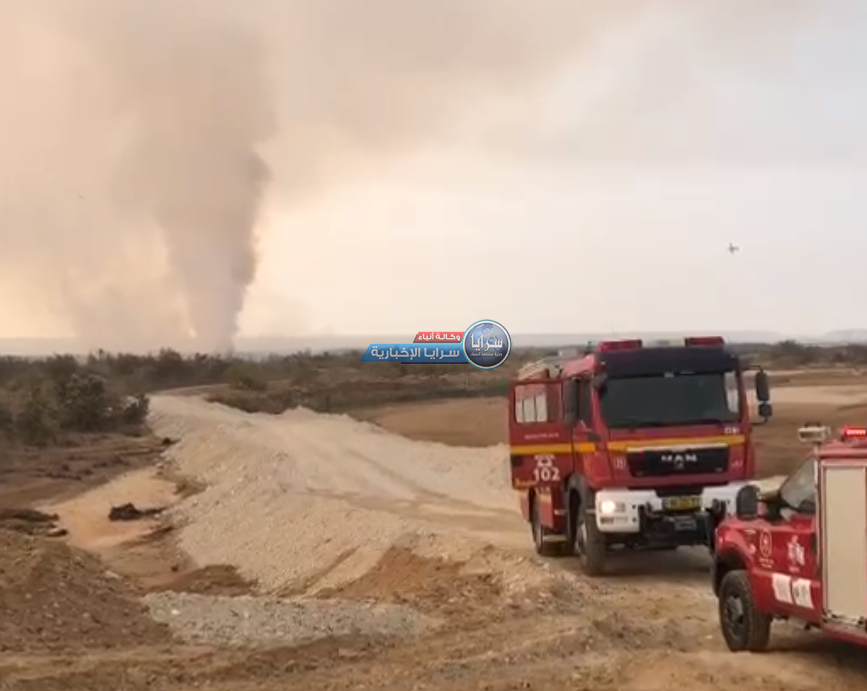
point(482, 422)
point(777, 447)
point(464, 422)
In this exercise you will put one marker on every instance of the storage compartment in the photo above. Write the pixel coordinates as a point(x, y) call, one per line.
point(844, 543)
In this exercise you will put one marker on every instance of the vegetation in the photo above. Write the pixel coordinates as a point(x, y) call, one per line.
point(42, 407)
point(794, 355)
point(43, 401)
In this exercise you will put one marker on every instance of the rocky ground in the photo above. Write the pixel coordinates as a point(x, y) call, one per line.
point(319, 552)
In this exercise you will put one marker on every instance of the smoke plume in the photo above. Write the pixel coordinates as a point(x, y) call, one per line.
point(141, 139)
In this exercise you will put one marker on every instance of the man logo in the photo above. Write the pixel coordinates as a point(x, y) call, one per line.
point(680, 460)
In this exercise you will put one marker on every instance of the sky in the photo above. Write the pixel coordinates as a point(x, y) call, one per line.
point(619, 217)
point(597, 194)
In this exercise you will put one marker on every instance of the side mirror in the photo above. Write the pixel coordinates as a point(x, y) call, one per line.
point(765, 410)
point(763, 387)
point(570, 402)
point(771, 505)
point(748, 503)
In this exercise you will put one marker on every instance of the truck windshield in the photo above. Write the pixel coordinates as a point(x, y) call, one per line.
point(669, 400)
point(798, 491)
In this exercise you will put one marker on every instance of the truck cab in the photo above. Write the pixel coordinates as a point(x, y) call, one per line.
point(799, 552)
point(630, 445)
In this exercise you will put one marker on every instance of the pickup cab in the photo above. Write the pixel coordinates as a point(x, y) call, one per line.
point(798, 552)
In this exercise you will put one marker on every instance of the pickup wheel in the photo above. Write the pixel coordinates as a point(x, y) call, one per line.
point(544, 549)
point(744, 627)
point(590, 544)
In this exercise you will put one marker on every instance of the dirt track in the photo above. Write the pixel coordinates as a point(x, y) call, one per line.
point(403, 565)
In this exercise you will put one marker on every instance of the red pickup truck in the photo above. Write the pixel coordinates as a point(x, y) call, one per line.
point(799, 552)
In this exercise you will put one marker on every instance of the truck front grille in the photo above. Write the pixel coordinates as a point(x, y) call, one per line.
point(668, 462)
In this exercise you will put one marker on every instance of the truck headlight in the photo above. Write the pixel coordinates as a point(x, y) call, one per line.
point(609, 507)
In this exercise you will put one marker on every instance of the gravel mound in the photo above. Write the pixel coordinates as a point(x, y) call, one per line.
point(329, 453)
point(248, 621)
point(311, 501)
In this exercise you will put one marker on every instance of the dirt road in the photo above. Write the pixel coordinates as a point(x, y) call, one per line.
point(329, 505)
point(385, 563)
point(854, 395)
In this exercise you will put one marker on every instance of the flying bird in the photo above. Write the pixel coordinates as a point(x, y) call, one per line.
point(733, 248)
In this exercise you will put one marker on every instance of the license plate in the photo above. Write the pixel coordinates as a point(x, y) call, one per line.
point(681, 503)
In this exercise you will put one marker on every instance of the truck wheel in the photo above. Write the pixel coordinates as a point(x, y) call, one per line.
point(544, 549)
point(590, 544)
point(744, 627)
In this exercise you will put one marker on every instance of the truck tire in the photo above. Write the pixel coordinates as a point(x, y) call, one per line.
point(589, 542)
point(543, 549)
point(743, 626)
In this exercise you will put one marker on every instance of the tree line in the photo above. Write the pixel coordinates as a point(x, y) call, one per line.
point(43, 399)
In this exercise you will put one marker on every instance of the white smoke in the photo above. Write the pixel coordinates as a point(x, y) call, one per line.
point(140, 139)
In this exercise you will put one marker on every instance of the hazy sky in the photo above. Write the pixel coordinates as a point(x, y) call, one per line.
point(617, 215)
point(602, 199)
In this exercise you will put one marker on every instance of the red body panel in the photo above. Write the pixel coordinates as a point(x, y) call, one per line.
point(783, 556)
point(770, 552)
point(616, 473)
point(545, 453)
point(593, 451)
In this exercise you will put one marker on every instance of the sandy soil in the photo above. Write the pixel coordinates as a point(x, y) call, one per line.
point(86, 516)
point(420, 542)
point(481, 422)
point(821, 395)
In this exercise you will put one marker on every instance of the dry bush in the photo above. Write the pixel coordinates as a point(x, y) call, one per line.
point(339, 397)
point(36, 423)
point(40, 399)
point(83, 402)
point(793, 355)
point(243, 377)
point(50, 399)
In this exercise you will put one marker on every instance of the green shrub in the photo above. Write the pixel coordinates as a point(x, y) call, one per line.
point(243, 377)
point(84, 403)
point(36, 424)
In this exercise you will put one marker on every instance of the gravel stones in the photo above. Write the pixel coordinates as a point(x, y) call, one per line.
point(304, 498)
point(249, 620)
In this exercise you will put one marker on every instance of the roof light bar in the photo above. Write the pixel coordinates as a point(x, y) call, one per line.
point(853, 432)
point(704, 341)
point(609, 346)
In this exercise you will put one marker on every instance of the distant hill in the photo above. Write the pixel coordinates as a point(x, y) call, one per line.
point(261, 345)
point(36, 346)
point(846, 336)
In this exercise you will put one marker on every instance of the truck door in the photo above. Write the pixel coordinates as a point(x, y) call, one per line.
point(795, 579)
point(583, 436)
point(843, 537)
point(540, 445)
point(788, 547)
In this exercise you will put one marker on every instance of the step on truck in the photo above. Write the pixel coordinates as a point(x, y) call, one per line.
point(799, 552)
point(630, 446)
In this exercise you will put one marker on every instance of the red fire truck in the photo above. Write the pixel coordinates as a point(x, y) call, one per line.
point(799, 552)
point(630, 445)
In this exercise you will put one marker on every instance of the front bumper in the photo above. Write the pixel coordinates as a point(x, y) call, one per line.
point(626, 510)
